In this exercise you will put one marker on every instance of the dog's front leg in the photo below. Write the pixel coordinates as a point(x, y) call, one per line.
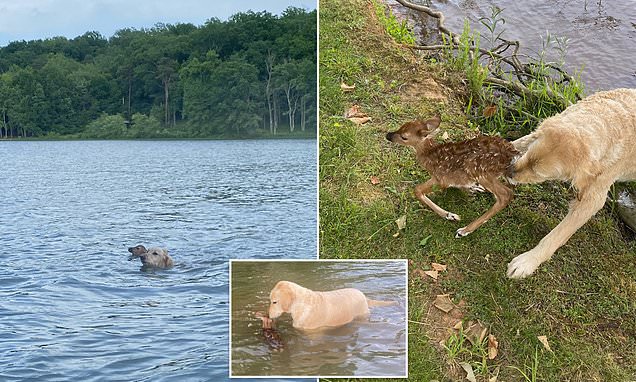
point(421, 190)
point(581, 210)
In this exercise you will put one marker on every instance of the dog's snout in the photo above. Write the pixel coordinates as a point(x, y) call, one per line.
point(389, 136)
point(130, 249)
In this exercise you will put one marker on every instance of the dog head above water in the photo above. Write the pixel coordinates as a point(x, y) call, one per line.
point(281, 298)
point(414, 132)
point(151, 257)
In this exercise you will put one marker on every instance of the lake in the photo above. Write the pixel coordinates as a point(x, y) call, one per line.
point(368, 347)
point(72, 308)
point(602, 34)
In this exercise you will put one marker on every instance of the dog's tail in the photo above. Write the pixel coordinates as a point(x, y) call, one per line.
point(374, 303)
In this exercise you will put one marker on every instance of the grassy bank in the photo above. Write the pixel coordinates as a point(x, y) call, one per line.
point(583, 300)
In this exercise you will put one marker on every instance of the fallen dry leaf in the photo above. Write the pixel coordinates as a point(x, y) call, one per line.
point(347, 88)
point(445, 136)
point(354, 111)
point(459, 325)
point(490, 111)
point(476, 332)
point(432, 274)
point(359, 120)
point(470, 374)
point(438, 267)
point(495, 376)
point(493, 346)
point(443, 303)
point(401, 222)
point(544, 342)
point(375, 180)
point(420, 273)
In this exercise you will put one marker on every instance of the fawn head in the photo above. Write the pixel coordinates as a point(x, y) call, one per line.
point(414, 132)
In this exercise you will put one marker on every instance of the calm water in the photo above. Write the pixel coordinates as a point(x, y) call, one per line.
point(375, 346)
point(72, 308)
point(602, 33)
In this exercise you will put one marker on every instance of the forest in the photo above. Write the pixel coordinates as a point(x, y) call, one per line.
point(253, 75)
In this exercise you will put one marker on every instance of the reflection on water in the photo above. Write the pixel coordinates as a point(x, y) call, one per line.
point(72, 308)
point(373, 346)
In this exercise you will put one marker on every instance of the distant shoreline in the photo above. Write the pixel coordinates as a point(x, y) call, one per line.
point(311, 136)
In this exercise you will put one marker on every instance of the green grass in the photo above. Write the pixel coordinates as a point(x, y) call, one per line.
point(583, 300)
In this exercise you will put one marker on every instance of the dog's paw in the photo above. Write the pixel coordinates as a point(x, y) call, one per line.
point(452, 217)
point(462, 232)
point(522, 266)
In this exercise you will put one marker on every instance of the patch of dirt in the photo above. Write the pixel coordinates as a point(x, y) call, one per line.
point(439, 324)
point(420, 88)
point(367, 193)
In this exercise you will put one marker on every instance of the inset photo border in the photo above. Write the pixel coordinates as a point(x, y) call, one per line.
point(319, 318)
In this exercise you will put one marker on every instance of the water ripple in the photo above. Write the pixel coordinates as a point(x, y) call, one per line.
point(73, 308)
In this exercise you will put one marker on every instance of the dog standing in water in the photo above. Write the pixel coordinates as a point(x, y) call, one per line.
point(312, 310)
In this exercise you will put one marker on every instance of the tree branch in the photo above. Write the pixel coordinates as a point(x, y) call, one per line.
point(496, 55)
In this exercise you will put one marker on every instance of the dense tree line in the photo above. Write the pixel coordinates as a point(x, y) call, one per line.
point(254, 74)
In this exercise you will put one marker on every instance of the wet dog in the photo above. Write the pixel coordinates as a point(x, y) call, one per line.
point(591, 144)
point(312, 310)
point(151, 257)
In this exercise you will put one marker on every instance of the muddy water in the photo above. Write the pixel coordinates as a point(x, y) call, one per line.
point(372, 346)
point(602, 34)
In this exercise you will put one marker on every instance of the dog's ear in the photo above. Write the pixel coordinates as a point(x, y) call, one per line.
point(288, 299)
point(286, 296)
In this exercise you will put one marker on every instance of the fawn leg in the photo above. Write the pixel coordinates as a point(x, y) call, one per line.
point(421, 190)
point(503, 196)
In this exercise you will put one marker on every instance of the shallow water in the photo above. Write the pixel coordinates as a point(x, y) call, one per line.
point(373, 346)
point(602, 34)
point(73, 308)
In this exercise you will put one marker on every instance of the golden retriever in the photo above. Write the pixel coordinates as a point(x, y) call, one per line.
point(151, 257)
point(591, 144)
point(313, 310)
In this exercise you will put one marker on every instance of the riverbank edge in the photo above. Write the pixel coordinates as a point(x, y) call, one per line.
point(309, 136)
point(366, 187)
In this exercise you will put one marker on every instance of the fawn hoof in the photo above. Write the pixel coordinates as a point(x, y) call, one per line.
point(477, 188)
point(452, 217)
point(462, 232)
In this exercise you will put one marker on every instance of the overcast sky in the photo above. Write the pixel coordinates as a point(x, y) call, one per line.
point(39, 19)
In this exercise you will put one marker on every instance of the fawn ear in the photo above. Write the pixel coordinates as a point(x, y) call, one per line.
point(433, 123)
point(428, 127)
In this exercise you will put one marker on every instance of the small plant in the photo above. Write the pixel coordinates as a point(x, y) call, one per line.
point(455, 345)
point(465, 59)
point(396, 29)
point(491, 24)
point(530, 373)
point(502, 110)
